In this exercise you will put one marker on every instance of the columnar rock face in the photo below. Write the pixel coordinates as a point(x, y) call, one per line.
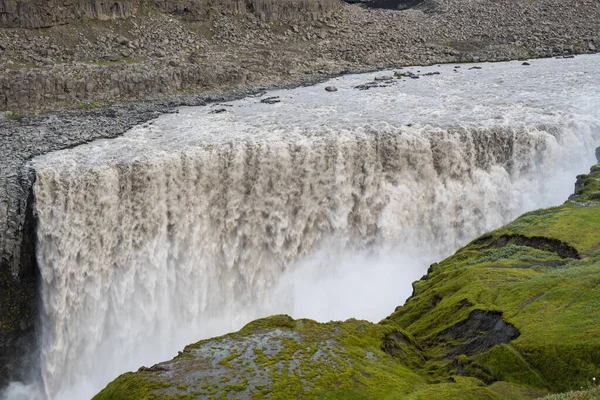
point(46, 13)
point(18, 280)
point(265, 10)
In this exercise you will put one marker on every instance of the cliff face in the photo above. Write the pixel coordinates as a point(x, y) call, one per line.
point(489, 322)
point(47, 13)
point(18, 283)
point(265, 10)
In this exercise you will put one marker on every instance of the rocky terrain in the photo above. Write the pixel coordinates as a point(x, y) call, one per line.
point(489, 322)
point(111, 65)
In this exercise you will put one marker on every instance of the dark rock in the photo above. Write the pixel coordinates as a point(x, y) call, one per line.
point(435, 299)
point(366, 86)
point(123, 41)
point(595, 195)
point(583, 204)
point(111, 57)
point(18, 289)
point(481, 331)
point(271, 100)
point(331, 89)
point(525, 63)
point(392, 343)
point(556, 246)
point(464, 303)
point(407, 74)
point(154, 368)
point(388, 4)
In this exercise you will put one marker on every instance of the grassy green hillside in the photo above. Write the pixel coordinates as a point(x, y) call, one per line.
point(512, 315)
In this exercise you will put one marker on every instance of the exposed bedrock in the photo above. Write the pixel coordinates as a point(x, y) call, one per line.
point(18, 286)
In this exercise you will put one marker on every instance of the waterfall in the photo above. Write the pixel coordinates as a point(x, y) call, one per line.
point(136, 251)
point(199, 222)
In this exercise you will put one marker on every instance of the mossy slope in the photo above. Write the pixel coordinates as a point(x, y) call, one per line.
point(512, 315)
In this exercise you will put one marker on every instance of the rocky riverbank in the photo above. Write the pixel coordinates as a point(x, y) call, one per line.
point(109, 69)
point(489, 322)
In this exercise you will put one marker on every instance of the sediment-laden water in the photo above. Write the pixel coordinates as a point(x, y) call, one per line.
point(323, 204)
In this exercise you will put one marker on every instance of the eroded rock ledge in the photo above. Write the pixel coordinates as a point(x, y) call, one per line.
point(489, 322)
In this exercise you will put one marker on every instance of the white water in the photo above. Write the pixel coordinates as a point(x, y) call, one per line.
point(326, 205)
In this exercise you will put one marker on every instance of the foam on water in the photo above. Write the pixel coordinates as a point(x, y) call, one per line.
point(324, 205)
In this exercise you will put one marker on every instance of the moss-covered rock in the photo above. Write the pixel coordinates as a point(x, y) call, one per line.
point(512, 315)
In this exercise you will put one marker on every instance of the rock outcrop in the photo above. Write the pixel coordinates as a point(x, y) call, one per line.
point(18, 266)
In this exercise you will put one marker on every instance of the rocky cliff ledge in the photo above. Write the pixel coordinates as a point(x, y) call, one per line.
point(509, 316)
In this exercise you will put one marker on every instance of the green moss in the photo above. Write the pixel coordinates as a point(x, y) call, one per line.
point(457, 388)
point(512, 391)
point(88, 106)
point(15, 115)
point(589, 394)
point(276, 321)
point(136, 386)
point(504, 363)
